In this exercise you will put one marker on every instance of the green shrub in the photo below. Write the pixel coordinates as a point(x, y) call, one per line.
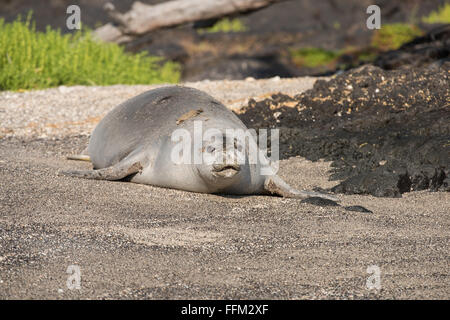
point(392, 36)
point(33, 60)
point(225, 25)
point(442, 15)
point(313, 57)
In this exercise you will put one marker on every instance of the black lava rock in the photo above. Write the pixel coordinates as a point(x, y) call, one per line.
point(386, 132)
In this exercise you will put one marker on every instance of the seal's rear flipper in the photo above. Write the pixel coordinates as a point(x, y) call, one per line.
point(115, 172)
point(275, 185)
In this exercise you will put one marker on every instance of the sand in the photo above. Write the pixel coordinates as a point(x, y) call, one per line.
point(137, 241)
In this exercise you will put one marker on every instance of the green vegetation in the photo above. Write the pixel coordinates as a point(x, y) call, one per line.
point(225, 25)
point(393, 36)
point(389, 37)
point(33, 60)
point(316, 57)
point(337, 25)
point(313, 57)
point(367, 56)
point(442, 15)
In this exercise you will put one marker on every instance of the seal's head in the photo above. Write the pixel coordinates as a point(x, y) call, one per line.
point(223, 162)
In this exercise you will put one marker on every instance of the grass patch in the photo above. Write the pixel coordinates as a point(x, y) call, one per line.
point(225, 25)
point(35, 60)
point(367, 56)
point(393, 36)
point(313, 57)
point(339, 59)
point(442, 15)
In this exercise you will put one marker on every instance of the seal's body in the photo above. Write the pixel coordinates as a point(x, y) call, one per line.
point(135, 141)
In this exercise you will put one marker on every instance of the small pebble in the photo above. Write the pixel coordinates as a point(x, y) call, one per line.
point(320, 201)
point(357, 209)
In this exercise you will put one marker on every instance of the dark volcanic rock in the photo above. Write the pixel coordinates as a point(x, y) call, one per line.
point(237, 68)
point(379, 183)
point(387, 132)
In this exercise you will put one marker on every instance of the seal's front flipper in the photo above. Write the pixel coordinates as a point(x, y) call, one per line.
point(79, 157)
point(83, 156)
point(275, 185)
point(116, 172)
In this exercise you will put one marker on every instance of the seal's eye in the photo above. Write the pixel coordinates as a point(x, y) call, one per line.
point(210, 149)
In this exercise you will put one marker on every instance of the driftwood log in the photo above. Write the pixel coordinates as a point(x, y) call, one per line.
point(143, 18)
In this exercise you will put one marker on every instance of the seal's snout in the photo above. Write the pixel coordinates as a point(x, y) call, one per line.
point(226, 166)
point(226, 170)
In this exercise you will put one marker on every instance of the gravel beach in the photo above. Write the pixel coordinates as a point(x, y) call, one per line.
point(135, 241)
point(63, 111)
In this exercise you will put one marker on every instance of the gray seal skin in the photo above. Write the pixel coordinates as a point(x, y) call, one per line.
point(133, 141)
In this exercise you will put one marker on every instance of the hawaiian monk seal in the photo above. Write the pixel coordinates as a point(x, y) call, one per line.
point(135, 141)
